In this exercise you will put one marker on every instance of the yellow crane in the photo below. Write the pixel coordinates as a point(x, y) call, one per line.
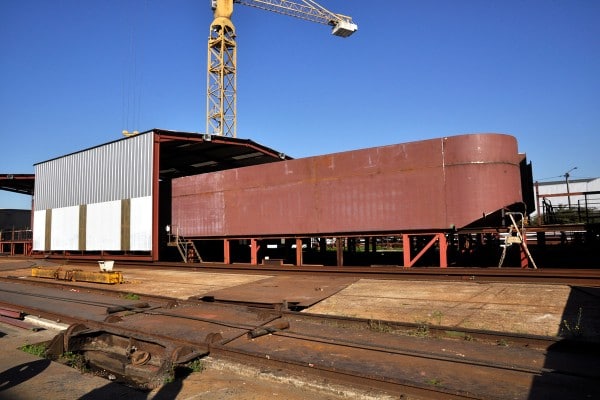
point(221, 117)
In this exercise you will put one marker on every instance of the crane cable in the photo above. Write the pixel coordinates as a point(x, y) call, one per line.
point(132, 78)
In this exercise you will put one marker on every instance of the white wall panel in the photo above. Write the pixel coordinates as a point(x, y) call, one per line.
point(103, 227)
point(39, 230)
point(65, 229)
point(141, 224)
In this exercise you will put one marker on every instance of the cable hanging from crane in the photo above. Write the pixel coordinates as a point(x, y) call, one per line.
point(132, 82)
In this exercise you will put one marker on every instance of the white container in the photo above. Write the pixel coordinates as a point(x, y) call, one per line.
point(106, 266)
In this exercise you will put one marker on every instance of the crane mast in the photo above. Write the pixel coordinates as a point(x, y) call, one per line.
point(221, 105)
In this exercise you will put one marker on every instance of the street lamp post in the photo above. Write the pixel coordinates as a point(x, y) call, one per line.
point(567, 175)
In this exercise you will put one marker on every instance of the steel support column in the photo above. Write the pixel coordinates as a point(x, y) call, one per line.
point(226, 252)
point(443, 245)
point(339, 243)
point(155, 251)
point(406, 248)
point(298, 252)
point(254, 251)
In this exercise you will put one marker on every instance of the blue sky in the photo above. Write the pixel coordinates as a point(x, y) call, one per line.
point(74, 74)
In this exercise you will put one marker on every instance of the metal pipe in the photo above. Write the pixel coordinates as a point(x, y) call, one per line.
point(567, 175)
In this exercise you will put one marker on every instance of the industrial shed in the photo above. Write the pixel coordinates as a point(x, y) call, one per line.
point(114, 200)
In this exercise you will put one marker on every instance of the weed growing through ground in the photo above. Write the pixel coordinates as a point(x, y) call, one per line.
point(195, 365)
point(422, 329)
point(379, 326)
point(437, 314)
point(35, 349)
point(434, 382)
point(131, 296)
point(74, 360)
point(573, 329)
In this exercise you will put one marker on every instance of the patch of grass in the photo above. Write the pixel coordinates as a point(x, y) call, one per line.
point(74, 360)
point(131, 296)
point(35, 349)
point(195, 365)
point(422, 329)
point(379, 326)
point(434, 382)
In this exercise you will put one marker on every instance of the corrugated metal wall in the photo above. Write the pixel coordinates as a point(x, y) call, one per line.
point(96, 199)
point(115, 171)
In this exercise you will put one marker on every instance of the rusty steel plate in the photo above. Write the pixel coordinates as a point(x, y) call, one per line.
point(431, 185)
point(300, 291)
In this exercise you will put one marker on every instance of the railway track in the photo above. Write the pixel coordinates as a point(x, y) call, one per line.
point(565, 276)
point(144, 338)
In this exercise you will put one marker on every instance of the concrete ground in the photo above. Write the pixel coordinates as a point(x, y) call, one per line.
point(537, 309)
point(523, 308)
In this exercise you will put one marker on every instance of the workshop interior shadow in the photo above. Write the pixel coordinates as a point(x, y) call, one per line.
point(571, 365)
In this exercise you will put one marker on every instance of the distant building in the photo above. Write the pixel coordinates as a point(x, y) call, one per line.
point(577, 194)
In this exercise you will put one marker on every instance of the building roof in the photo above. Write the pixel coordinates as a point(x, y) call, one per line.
point(17, 183)
point(562, 181)
point(181, 154)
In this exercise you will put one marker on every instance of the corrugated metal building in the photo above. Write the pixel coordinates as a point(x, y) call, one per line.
point(106, 199)
point(568, 201)
point(560, 196)
point(96, 199)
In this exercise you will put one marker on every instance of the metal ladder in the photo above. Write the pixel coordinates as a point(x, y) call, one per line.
point(515, 236)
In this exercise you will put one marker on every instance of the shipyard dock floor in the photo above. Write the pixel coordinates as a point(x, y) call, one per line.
point(526, 308)
point(536, 309)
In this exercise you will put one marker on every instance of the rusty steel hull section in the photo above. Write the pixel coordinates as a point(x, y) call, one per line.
point(431, 185)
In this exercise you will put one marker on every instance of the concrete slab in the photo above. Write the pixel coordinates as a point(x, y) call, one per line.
point(182, 284)
point(169, 283)
point(520, 308)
